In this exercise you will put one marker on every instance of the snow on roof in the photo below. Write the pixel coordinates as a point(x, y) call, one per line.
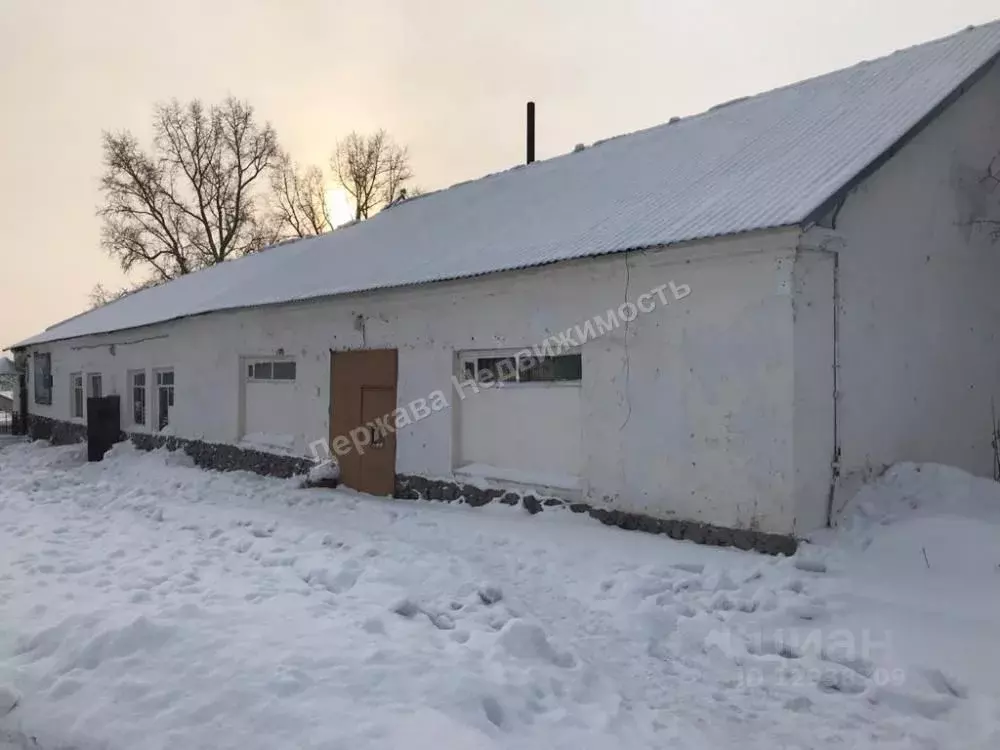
point(761, 162)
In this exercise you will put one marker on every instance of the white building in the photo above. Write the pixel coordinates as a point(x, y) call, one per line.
point(814, 300)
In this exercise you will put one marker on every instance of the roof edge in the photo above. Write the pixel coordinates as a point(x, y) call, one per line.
point(830, 203)
point(774, 229)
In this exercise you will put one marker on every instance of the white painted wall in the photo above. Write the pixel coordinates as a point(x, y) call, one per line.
point(690, 417)
point(813, 440)
point(920, 310)
point(693, 419)
point(529, 427)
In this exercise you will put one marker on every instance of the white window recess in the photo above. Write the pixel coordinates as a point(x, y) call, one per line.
point(526, 427)
point(270, 405)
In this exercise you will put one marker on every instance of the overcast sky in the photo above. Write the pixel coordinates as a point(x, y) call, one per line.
point(447, 77)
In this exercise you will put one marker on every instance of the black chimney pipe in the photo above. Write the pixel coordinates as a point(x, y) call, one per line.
point(531, 133)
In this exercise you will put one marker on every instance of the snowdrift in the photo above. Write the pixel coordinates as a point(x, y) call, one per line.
point(926, 516)
point(147, 604)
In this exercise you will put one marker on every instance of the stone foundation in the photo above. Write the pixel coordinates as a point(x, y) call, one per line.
point(206, 455)
point(222, 457)
point(411, 487)
point(56, 431)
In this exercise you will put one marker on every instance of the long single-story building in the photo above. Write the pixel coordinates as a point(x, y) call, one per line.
point(730, 319)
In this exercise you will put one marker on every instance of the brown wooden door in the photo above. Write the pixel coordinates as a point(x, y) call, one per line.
point(378, 462)
point(363, 390)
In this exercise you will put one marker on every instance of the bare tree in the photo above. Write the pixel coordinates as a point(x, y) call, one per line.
point(372, 169)
point(101, 295)
point(192, 200)
point(299, 197)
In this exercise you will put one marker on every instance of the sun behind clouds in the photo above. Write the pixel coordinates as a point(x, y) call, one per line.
point(338, 206)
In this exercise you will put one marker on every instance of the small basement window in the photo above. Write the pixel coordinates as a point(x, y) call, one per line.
point(560, 368)
point(43, 377)
point(270, 369)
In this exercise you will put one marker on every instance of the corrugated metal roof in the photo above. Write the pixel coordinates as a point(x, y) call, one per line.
point(760, 162)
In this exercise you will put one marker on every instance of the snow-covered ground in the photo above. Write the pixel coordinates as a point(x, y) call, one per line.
point(148, 604)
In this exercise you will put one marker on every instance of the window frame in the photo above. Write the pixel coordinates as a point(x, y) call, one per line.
point(132, 388)
point(473, 356)
point(76, 383)
point(157, 372)
point(250, 364)
point(41, 383)
point(93, 377)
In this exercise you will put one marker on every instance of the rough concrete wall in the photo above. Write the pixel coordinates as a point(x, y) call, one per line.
point(813, 443)
point(698, 421)
point(919, 312)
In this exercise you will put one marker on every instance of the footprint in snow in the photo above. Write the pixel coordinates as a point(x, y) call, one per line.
point(860, 665)
point(524, 640)
point(690, 567)
point(944, 684)
point(9, 698)
point(929, 707)
point(810, 565)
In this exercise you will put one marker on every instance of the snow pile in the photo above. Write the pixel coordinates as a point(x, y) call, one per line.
point(927, 516)
point(146, 604)
point(324, 474)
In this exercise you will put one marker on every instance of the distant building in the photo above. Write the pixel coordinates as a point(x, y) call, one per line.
point(8, 383)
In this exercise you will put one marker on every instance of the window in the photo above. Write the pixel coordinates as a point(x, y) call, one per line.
point(564, 368)
point(95, 386)
point(43, 378)
point(492, 369)
point(164, 397)
point(270, 370)
point(561, 368)
point(137, 384)
point(76, 395)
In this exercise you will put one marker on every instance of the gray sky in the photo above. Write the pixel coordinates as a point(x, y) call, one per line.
point(447, 77)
